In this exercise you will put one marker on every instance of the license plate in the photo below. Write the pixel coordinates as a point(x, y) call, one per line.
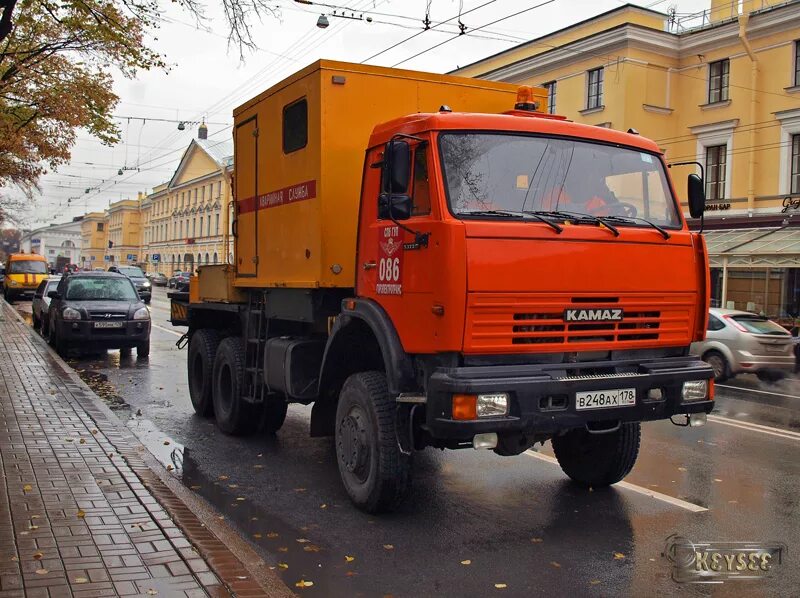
point(603, 399)
point(108, 324)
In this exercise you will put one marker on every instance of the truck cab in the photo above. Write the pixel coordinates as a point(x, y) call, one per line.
point(510, 278)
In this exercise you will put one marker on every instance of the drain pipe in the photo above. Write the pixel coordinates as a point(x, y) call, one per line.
point(751, 157)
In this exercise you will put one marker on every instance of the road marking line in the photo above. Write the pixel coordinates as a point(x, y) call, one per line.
point(734, 423)
point(763, 392)
point(634, 488)
point(166, 329)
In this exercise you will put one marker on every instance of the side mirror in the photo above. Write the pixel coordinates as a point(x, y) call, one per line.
point(54, 295)
point(394, 207)
point(396, 167)
point(697, 195)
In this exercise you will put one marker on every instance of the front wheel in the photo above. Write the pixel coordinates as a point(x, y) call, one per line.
point(598, 460)
point(143, 349)
point(374, 471)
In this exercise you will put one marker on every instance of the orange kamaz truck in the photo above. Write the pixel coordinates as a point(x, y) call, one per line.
point(435, 261)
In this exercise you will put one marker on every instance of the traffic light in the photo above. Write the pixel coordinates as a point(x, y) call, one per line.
point(110, 244)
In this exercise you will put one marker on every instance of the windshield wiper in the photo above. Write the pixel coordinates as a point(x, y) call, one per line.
point(664, 233)
point(577, 217)
point(510, 214)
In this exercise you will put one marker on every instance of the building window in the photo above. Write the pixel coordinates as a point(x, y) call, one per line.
point(795, 180)
point(594, 89)
point(100, 226)
point(797, 63)
point(216, 224)
point(216, 258)
point(550, 86)
point(716, 158)
point(208, 225)
point(295, 126)
point(718, 74)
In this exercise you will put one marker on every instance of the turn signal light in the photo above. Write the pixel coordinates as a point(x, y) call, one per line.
point(465, 407)
point(711, 390)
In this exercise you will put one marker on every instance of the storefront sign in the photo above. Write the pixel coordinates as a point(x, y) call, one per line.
point(790, 203)
point(716, 207)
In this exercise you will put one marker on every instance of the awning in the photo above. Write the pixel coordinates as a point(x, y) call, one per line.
point(767, 247)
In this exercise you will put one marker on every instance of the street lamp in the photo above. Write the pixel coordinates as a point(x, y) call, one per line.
point(323, 22)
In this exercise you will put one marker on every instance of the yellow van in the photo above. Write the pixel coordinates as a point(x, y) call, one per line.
point(24, 272)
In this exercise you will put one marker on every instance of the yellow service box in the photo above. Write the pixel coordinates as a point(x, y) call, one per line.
point(299, 155)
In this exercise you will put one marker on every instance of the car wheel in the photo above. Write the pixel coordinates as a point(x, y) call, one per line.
point(45, 327)
point(143, 349)
point(200, 366)
point(147, 301)
point(51, 335)
point(598, 460)
point(61, 346)
point(234, 415)
point(770, 376)
point(9, 296)
point(35, 321)
point(373, 469)
point(719, 364)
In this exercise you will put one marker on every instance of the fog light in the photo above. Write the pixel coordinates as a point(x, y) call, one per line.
point(697, 419)
point(493, 404)
point(655, 394)
point(695, 390)
point(485, 441)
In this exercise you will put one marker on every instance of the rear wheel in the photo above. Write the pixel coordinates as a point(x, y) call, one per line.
point(770, 376)
point(59, 344)
point(598, 460)
point(234, 415)
point(375, 473)
point(719, 364)
point(200, 366)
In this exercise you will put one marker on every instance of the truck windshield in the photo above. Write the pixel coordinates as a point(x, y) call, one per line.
point(500, 173)
point(27, 267)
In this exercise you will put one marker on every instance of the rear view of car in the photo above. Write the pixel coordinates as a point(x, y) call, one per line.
point(138, 278)
point(739, 342)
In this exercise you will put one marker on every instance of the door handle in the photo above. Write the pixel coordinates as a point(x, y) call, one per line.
point(369, 265)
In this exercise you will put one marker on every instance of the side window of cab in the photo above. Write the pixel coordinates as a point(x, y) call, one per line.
point(421, 185)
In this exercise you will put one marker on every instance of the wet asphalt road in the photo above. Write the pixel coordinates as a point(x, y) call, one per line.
point(475, 519)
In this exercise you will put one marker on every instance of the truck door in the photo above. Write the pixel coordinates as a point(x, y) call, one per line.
point(245, 226)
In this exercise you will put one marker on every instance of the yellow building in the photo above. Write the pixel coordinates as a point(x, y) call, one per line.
point(189, 214)
point(721, 88)
point(123, 220)
point(93, 240)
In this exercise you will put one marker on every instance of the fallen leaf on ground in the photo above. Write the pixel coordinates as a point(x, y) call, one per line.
point(152, 592)
point(80, 580)
point(717, 480)
point(195, 487)
point(27, 488)
point(323, 506)
point(272, 535)
point(94, 431)
point(594, 582)
point(681, 469)
point(38, 555)
point(351, 574)
point(299, 489)
point(302, 540)
point(82, 441)
point(15, 559)
point(283, 565)
point(81, 513)
point(69, 440)
point(254, 519)
point(34, 517)
point(42, 571)
point(304, 584)
point(537, 540)
point(555, 564)
point(257, 536)
point(233, 485)
point(166, 443)
point(618, 556)
point(349, 559)
point(500, 586)
point(311, 548)
point(170, 468)
point(388, 546)
point(466, 562)
point(283, 549)
point(223, 477)
point(240, 498)
point(33, 527)
point(258, 466)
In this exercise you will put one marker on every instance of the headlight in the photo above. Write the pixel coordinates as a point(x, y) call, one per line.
point(146, 285)
point(70, 313)
point(142, 314)
point(492, 405)
point(13, 283)
point(695, 390)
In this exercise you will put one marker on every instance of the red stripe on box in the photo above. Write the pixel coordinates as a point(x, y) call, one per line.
point(279, 197)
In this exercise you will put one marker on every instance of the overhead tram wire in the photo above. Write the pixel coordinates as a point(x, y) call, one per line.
point(516, 14)
point(408, 39)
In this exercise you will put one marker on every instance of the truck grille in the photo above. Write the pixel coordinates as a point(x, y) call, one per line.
point(536, 323)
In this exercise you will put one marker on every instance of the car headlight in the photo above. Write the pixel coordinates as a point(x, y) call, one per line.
point(70, 313)
point(146, 285)
point(13, 283)
point(142, 314)
point(695, 390)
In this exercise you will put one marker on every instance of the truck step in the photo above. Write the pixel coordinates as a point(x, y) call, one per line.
point(255, 341)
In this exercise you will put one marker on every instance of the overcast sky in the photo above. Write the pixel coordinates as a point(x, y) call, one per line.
point(207, 79)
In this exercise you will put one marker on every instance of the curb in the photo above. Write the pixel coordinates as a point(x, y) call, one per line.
point(229, 556)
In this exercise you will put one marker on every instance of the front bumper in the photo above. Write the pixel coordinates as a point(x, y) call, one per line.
point(83, 332)
point(542, 397)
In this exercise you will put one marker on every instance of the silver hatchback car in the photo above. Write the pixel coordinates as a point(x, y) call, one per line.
point(739, 342)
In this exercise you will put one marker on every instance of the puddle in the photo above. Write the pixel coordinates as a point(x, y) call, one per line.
point(100, 385)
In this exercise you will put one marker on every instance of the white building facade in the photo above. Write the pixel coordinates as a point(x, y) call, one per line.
point(55, 241)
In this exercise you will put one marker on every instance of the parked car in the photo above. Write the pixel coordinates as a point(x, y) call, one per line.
point(138, 278)
point(158, 279)
point(180, 281)
point(41, 303)
point(739, 342)
point(24, 272)
point(98, 310)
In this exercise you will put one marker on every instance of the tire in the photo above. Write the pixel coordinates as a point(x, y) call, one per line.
point(273, 414)
point(200, 367)
point(51, 340)
point(375, 473)
point(35, 322)
point(234, 415)
point(770, 376)
point(61, 346)
point(598, 460)
point(720, 365)
point(143, 350)
point(8, 296)
point(45, 327)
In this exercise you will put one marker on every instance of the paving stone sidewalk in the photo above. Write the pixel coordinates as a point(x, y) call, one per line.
point(75, 518)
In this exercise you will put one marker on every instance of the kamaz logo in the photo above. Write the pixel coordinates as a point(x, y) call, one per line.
point(593, 315)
